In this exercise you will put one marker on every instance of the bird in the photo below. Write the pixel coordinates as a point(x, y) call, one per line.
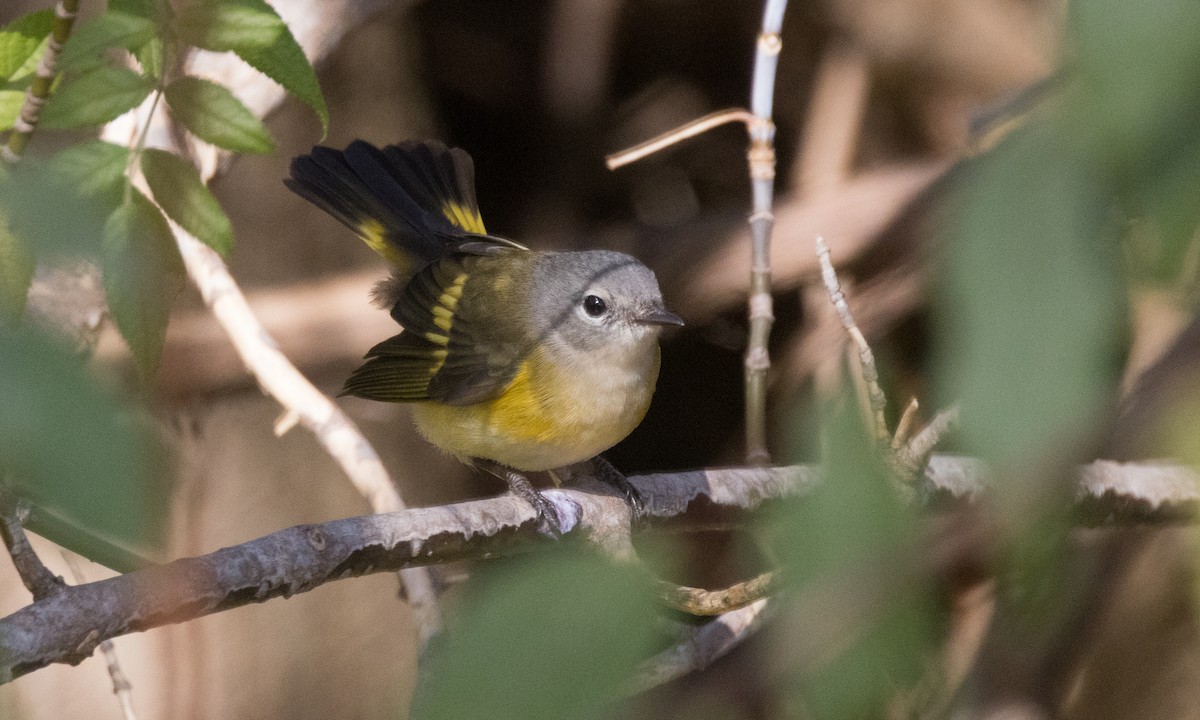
point(516, 361)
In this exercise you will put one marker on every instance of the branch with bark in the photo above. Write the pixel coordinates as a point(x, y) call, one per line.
point(68, 625)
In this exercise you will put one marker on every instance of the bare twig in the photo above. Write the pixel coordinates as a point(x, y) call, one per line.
point(698, 601)
point(701, 648)
point(36, 577)
point(679, 134)
point(69, 624)
point(121, 686)
point(866, 358)
point(313, 22)
point(761, 157)
point(43, 81)
point(908, 422)
point(916, 451)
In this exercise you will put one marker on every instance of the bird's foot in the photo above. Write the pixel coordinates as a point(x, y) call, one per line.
point(548, 520)
point(609, 474)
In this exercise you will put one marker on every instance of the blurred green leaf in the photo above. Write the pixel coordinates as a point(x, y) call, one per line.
point(73, 452)
point(859, 620)
point(22, 40)
point(142, 274)
point(558, 638)
point(214, 115)
point(87, 45)
point(185, 198)
point(49, 212)
point(255, 32)
point(95, 169)
point(1032, 305)
point(95, 97)
point(16, 272)
point(22, 44)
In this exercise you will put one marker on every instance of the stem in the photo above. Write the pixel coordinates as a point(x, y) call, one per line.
point(761, 158)
point(43, 81)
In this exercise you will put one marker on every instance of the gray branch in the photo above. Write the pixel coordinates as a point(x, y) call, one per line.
point(66, 626)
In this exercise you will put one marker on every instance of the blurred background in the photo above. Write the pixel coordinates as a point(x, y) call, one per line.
point(878, 107)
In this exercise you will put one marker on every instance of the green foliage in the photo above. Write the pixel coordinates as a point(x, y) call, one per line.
point(185, 198)
point(95, 169)
point(95, 97)
point(556, 638)
point(1032, 325)
point(214, 115)
point(142, 274)
point(22, 43)
point(87, 46)
point(75, 453)
point(254, 31)
point(16, 272)
point(861, 620)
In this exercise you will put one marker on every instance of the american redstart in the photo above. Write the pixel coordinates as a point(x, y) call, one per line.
point(516, 360)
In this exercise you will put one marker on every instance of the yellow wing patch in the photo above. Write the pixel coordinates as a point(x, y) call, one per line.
point(464, 217)
point(443, 313)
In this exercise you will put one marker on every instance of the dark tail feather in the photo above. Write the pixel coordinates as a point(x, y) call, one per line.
point(411, 202)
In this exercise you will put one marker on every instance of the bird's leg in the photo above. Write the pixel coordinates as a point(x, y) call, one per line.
point(519, 485)
point(608, 473)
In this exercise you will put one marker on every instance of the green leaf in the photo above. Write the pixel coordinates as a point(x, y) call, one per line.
point(21, 40)
point(559, 638)
point(22, 44)
point(255, 32)
point(51, 213)
point(214, 115)
point(95, 98)
point(16, 272)
point(185, 198)
point(78, 456)
point(142, 274)
point(87, 45)
point(1033, 299)
point(96, 169)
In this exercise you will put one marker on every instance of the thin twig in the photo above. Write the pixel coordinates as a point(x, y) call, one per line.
point(908, 422)
point(916, 451)
point(317, 26)
point(43, 81)
point(761, 158)
point(866, 358)
point(121, 686)
point(701, 602)
point(36, 577)
point(335, 431)
point(701, 648)
point(679, 134)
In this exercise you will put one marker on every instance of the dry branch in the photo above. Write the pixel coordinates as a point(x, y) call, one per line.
point(67, 626)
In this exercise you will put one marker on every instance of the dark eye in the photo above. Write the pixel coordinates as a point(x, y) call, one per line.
point(594, 306)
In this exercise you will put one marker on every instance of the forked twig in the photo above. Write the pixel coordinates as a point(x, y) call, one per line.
point(866, 358)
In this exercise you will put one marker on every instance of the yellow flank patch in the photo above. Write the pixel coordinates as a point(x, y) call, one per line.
point(444, 322)
point(518, 414)
point(463, 217)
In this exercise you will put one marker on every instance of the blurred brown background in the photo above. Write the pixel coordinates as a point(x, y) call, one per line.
point(873, 103)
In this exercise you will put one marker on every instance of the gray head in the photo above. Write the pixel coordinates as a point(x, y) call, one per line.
point(598, 298)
